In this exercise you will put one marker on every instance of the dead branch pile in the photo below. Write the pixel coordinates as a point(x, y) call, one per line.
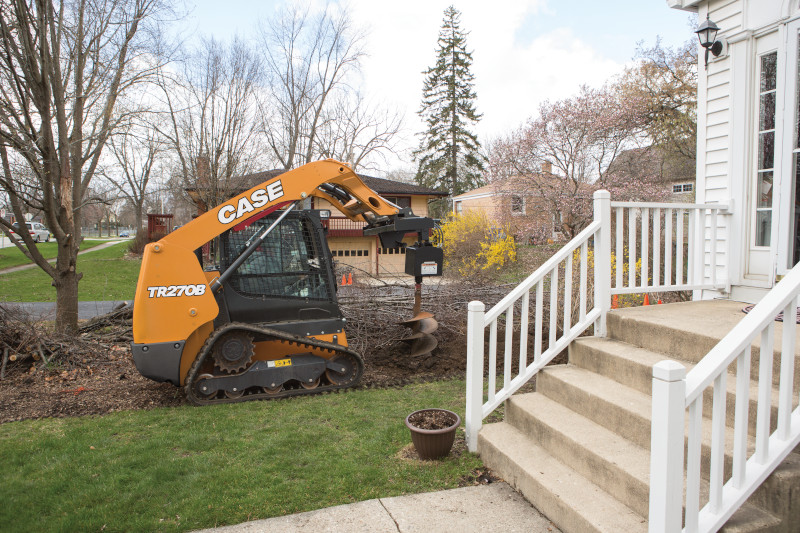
point(111, 327)
point(374, 311)
point(27, 343)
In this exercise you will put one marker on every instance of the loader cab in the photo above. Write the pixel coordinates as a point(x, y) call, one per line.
point(287, 283)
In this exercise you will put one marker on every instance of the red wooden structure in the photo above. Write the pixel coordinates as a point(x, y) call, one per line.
point(158, 225)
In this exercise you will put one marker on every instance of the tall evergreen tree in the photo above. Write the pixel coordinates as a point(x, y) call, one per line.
point(449, 153)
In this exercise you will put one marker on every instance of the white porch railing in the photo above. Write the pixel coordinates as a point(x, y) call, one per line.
point(685, 254)
point(668, 247)
point(478, 321)
point(657, 248)
point(674, 392)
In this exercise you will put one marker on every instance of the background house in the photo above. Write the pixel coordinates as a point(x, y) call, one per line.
point(351, 249)
point(747, 122)
point(675, 172)
point(535, 209)
point(530, 218)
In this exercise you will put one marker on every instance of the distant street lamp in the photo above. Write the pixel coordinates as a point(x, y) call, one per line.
point(707, 33)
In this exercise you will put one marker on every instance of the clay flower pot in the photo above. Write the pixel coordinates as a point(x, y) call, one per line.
point(433, 431)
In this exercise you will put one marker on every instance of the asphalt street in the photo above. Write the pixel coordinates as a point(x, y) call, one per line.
point(47, 310)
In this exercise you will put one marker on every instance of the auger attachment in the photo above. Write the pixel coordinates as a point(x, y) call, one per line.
point(422, 325)
point(422, 259)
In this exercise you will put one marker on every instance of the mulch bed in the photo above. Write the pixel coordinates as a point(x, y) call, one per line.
point(94, 373)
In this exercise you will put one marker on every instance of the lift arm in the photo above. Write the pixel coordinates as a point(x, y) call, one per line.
point(173, 298)
point(328, 179)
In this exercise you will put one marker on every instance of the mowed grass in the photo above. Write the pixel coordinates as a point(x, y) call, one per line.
point(10, 256)
point(185, 468)
point(107, 275)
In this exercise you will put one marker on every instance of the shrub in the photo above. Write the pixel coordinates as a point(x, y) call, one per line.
point(138, 243)
point(472, 247)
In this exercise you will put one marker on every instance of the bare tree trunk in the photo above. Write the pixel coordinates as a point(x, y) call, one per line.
point(66, 284)
point(63, 69)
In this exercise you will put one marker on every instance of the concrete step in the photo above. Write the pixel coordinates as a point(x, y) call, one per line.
point(632, 366)
point(571, 501)
point(559, 488)
point(688, 332)
point(780, 493)
point(618, 408)
point(619, 467)
point(611, 462)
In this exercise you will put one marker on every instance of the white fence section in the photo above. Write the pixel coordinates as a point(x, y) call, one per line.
point(572, 264)
point(675, 392)
point(572, 291)
point(663, 247)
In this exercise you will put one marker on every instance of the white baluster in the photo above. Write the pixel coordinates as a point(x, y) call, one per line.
point(523, 332)
point(741, 417)
point(764, 393)
point(509, 343)
point(717, 442)
point(537, 339)
point(693, 465)
point(787, 369)
point(668, 248)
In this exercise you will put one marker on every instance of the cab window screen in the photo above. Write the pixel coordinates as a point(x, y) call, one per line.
point(286, 265)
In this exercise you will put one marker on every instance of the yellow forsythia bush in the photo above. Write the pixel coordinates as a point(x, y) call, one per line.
point(623, 300)
point(472, 246)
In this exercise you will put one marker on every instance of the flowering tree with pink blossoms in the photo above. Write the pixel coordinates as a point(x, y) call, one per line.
point(572, 148)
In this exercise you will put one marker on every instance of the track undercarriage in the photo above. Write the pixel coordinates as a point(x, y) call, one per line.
point(224, 371)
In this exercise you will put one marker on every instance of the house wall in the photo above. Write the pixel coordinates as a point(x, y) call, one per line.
point(727, 136)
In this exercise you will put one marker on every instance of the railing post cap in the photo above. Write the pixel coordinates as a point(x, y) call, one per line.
point(475, 305)
point(602, 194)
point(669, 371)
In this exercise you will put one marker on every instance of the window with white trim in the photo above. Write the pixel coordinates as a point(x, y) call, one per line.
point(766, 147)
point(682, 187)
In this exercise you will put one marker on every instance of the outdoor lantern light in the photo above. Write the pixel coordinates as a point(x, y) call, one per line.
point(707, 33)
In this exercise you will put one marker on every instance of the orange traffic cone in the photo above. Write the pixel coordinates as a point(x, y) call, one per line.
point(344, 281)
point(350, 278)
point(615, 302)
point(646, 300)
point(660, 302)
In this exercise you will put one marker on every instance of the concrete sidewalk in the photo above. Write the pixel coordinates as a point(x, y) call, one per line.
point(493, 507)
point(32, 265)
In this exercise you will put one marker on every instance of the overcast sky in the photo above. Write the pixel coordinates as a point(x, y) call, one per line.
point(524, 51)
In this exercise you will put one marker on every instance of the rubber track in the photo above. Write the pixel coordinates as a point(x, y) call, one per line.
point(277, 335)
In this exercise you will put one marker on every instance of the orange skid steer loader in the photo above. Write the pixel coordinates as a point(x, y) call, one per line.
point(265, 322)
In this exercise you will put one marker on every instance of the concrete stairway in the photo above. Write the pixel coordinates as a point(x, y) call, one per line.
point(578, 447)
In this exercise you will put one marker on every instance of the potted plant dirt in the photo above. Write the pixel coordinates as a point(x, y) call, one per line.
point(433, 431)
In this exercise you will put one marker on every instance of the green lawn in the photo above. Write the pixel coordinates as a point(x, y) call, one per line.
point(107, 275)
point(11, 256)
point(184, 468)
